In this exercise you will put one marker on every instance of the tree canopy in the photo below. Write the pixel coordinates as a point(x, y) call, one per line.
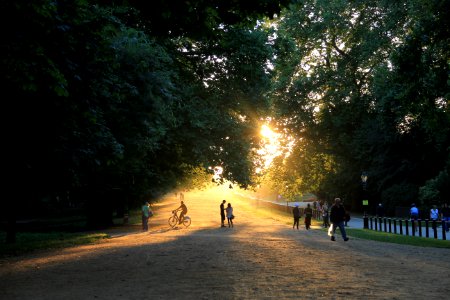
point(363, 86)
point(121, 101)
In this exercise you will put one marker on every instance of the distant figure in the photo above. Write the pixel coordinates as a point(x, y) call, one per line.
point(230, 215)
point(325, 216)
point(296, 213)
point(380, 210)
point(181, 196)
point(445, 216)
point(434, 216)
point(414, 214)
point(222, 213)
point(337, 217)
point(183, 212)
point(308, 216)
point(145, 215)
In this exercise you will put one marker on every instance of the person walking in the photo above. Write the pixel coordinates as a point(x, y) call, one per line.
point(296, 213)
point(145, 215)
point(337, 218)
point(230, 215)
point(308, 216)
point(414, 214)
point(222, 213)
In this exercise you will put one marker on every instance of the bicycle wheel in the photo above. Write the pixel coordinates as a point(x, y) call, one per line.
point(187, 221)
point(173, 221)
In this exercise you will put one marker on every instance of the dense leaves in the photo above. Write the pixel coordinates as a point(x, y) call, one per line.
point(363, 86)
point(111, 103)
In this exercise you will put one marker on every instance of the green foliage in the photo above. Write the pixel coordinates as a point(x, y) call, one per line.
point(364, 85)
point(115, 107)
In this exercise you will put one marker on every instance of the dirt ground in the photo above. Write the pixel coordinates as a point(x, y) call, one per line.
point(262, 257)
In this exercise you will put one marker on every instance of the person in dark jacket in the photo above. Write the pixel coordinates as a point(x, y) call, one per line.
point(296, 213)
point(308, 216)
point(337, 218)
point(222, 213)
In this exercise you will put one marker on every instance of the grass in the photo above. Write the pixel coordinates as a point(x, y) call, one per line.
point(397, 238)
point(30, 241)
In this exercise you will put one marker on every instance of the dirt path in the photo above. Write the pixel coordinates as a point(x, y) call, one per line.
point(260, 258)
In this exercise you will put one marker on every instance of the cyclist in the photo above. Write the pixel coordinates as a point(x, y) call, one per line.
point(183, 209)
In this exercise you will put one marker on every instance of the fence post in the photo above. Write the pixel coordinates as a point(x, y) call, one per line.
point(371, 223)
point(406, 227)
point(395, 225)
point(427, 234)
point(384, 221)
point(376, 223)
point(434, 229)
point(401, 226)
point(390, 226)
point(419, 222)
point(365, 221)
point(444, 226)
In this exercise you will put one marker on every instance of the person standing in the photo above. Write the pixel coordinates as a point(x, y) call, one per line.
point(445, 216)
point(380, 210)
point(296, 213)
point(337, 218)
point(414, 214)
point(434, 216)
point(230, 215)
point(222, 213)
point(325, 216)
point(308, 216)
point(145, 215)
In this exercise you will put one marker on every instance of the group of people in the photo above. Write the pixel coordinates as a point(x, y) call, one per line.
point(228, 211)
point(337, 214)
point(435, 215)
point(147, 213)
point(297, 215)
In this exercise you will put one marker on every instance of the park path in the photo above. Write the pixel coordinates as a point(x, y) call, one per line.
point(262, 257)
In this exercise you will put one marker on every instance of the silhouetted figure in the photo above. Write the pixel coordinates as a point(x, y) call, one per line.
point(296, 213)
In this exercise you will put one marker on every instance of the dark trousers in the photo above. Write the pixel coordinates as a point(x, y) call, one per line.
point(144, 223)
point(296, 221)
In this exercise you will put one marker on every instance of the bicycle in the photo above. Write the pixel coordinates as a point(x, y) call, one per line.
point(174, 220)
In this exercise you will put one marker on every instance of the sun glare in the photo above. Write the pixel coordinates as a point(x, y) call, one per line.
point(267, 132)
point(271, 146)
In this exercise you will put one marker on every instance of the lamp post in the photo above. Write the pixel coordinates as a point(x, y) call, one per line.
point(364, 177)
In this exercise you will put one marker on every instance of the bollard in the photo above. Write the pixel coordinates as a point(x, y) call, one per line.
point(366, 221)
point(435, 229)
point(420, 227)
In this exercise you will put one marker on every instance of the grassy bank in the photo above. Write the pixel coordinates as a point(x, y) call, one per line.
point(30, 241)
point(397, 238)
